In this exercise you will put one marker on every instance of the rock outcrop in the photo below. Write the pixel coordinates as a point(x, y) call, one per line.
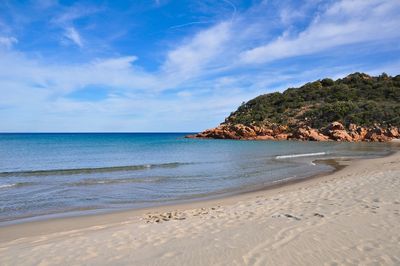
point(335, 131)
point(307, 133)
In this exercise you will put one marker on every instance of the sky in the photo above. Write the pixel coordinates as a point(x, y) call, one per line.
point(177, 65)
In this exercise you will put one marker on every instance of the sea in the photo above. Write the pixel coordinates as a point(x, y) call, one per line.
point(45, 175)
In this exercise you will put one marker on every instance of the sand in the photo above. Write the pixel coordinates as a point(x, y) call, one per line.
point(349, 217)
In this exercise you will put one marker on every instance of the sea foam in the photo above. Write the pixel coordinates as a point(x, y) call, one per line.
point(300, 155)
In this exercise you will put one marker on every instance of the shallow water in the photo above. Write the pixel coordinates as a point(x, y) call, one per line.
point(56, 173)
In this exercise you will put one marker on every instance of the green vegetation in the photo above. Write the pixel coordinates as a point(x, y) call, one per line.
point(357, 98)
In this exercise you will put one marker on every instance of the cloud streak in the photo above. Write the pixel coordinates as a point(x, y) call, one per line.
point(8, 42)
point(73, 35)
point(344, 23)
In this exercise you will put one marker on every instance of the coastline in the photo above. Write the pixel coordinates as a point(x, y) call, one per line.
point(47, 224)
point(335, 164)
point(334, 131)
point(273, 210)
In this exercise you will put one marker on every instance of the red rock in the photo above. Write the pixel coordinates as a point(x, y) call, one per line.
point(352, 127)
point(340, 135)
point(282, 136)
point(334, 131)
point(307, 133)
point(361, 132)
point(264, 137)
point(242, 131)
point(267, 131)
point(377, 134)
point(337, 132)
point(355, 136)
point(335, 126)
point(393, 132)
point(316, 136)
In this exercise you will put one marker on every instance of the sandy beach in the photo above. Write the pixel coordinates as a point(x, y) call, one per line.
point(349, 217)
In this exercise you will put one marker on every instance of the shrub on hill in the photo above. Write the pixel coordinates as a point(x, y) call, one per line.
point(357, 98)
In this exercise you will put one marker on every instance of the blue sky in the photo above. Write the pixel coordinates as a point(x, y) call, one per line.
point(180, 65)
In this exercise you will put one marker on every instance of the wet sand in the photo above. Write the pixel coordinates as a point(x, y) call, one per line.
point(349, 217)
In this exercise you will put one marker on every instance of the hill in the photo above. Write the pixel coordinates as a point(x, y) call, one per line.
point(357, 103)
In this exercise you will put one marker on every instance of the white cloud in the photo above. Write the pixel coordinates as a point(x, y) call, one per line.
point(8, 42)
point(195, 54)
point(184, 94)
point(116, 63)
point(74, 12)
point(73, 35)
point(66, 18)
point(117, 72)
point(344, 23)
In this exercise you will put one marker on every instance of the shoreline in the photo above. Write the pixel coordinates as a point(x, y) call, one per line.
point(332, 162)
point(351, 216)
point(59, 221)
point(48, 219)
point(223, 193)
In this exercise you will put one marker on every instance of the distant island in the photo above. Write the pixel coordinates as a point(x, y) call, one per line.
point(358, 107)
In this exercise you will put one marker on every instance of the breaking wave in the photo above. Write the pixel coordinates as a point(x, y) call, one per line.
point(77, 171)
point(91, 182)
point(300, 155)
point(15, 185)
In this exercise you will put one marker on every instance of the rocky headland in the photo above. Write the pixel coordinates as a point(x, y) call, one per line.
point(358, 107)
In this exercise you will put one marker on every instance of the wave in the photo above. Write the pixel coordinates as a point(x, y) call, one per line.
point(300, 155)
point(14, 185)
point(284, 179)
point(76, 171)
point(91, 182)
point(7, 185)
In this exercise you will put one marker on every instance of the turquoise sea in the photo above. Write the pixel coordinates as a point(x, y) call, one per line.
point(46, 175)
